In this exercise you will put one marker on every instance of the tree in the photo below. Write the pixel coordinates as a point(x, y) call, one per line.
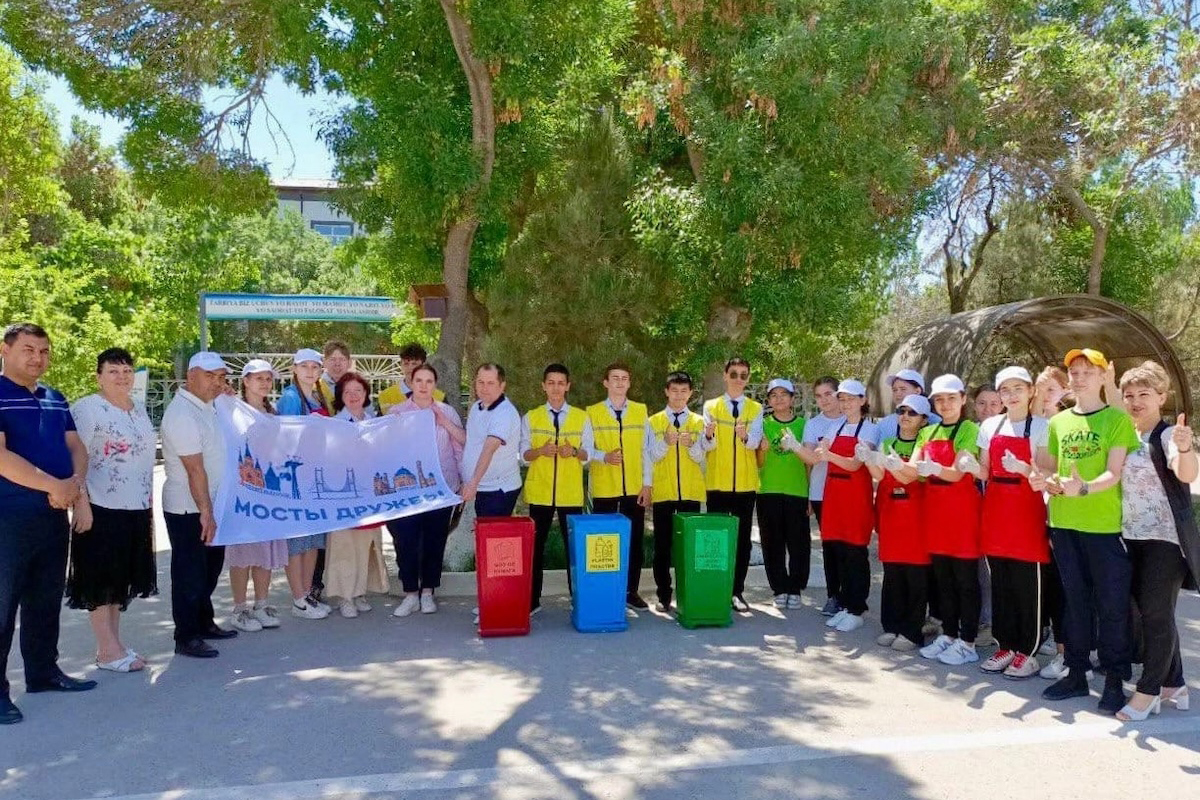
point(29, 148)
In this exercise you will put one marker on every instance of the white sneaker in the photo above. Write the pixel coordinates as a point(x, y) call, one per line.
point(1049, 646)
point(850, 622)
point(244, 620)
point(885, 639)
point(740, 605)
point(408, 605)
point(1022, 667)
point(904, 644)
point(268, 616)
point(1057, 668)
point(836, 619)
point(348, 609)
point(361, 603)
point(794, 601)
point(936, 647)
point(781, 601)
point(428, 604)
point(475, 615)
point(958, 654)
point(985, 638)
point(999, 661)
point(313, 601)
point(302, 609)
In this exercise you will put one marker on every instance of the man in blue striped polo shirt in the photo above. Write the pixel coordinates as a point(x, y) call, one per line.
point(43, 463)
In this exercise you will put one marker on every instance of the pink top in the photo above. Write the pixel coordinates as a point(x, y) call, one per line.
point(449, 451)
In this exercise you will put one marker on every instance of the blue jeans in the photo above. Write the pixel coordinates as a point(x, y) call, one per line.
point(496, 504)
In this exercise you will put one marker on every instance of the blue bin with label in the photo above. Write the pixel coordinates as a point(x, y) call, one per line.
point(599, 556)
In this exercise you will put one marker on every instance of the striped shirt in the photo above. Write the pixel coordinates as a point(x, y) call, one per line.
point(35, 425)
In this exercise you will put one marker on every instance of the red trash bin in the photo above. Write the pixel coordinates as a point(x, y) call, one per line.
point(504, 574)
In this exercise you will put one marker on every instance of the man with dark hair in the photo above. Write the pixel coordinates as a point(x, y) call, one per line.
point(412, 355)
point(43, 465)
point(491, 459)
point(556, 439)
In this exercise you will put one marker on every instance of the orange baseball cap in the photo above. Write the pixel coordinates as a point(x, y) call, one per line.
point(1094, 356)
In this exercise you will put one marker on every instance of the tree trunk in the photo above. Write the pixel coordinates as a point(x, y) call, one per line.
point(1096, 265)
point(728, 326)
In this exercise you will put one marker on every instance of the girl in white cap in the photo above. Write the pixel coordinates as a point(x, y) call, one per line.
point(257, 559)
point(849, 515)
point(1013, 524)
point(783, 498)
point(951, 520)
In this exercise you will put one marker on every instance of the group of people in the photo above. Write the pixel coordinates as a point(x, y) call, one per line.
point(1054, 509)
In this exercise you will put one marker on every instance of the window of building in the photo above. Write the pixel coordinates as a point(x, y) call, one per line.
point(336, 232)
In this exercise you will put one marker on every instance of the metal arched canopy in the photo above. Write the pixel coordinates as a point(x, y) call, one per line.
point(1032, 333)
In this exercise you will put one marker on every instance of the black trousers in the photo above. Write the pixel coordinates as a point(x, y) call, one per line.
point(498, 503)
point(741, 505)
point(1017, 592)
point(195, 571)
point(543, 518)
point(958, 595)
point(905, 595)
point(663, 536)
point(1158, 575)
point(319, 571)
point(33, 575)
point(1096, 576)
point(628, 505)
point(854, 572)
point(833, 583)
point(420, 543)
point(1054, 606)
point(783, 529)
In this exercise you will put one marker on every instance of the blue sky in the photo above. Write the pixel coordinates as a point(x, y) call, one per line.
point(298, 115)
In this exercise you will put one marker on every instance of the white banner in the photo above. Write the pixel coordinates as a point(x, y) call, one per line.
point(294, 476)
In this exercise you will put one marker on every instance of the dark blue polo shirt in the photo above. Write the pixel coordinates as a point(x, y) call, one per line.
point(34, 425)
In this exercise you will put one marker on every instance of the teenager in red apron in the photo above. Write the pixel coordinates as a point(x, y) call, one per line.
point(901, 535)
point(849, 515)
point(950, 513)
point(1013, 526)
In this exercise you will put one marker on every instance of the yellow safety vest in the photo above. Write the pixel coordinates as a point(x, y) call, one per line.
point(732, 467)
point(624, 479)
point(555, 481)
point(677, 477)
point(394, 396)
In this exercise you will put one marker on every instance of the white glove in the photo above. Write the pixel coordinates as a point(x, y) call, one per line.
point(1013, 464)
point(929, 469)
point(789, 442)
point(967, 462)
point(862, 452)
point(892, 462)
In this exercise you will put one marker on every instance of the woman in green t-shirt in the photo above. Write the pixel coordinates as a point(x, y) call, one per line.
point(783, 498)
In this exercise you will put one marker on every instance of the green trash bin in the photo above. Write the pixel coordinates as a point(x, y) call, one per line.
point(703, 548)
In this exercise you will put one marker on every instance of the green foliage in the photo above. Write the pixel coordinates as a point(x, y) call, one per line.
point(29, 148)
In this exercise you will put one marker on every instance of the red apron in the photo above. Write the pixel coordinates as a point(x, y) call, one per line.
point(898, 520)
point(950, 510)
point(847, 514)
point(1014, 515)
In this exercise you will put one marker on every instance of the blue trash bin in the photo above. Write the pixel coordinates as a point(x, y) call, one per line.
point(599, 556)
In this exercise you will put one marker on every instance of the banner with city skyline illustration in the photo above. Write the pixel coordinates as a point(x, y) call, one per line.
point(294, 476)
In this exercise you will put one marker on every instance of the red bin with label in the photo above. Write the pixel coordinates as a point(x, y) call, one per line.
point(504, 574)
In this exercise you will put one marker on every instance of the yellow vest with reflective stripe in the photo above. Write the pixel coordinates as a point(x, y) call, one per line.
point(618, 480)
point(555, 481)
point(732, 467)
point(677, 477)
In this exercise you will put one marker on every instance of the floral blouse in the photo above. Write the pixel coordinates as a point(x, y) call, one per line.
point(121, 449)
point(1145, 510)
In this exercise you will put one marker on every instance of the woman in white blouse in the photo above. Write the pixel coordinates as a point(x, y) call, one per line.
point(1160, 535)
point(112, 560)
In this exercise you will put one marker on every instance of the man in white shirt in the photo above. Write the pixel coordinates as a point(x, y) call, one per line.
point(194, 459)
point(491, 460)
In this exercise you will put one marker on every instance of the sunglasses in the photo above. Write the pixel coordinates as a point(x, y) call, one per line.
point(739, 376)
point(907, 412)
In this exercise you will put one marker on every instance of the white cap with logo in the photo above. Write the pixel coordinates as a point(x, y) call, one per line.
point(909, 375)
point(947, 384)
point(781, 383)
point(1008, 373)
point(208, 361)
point(851, 386)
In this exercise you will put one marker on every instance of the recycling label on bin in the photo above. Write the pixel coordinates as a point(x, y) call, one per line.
point(712, 550)
point(504, 557)
point(604, 552)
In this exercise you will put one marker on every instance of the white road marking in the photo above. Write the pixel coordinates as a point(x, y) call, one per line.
point(586, 771)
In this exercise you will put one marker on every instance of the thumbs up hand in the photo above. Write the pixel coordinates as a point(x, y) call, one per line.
point(893, 462)
point(862, 452)
point(1015, 465)
point(1073, 485)
point(1182, 435)
point(929, 469)
point(968, 463)
point(1037, 481)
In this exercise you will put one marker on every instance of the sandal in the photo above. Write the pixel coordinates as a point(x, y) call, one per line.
point(124, 664)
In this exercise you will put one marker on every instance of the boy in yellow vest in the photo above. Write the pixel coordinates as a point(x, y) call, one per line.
point(412, 355)
point(620, 476)
point(732, 431)
point(556, 439)
point(674, 449)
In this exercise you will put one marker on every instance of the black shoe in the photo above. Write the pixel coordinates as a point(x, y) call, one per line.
point(9, 713)
point(634, 600)
point(1113, 699)
point(60, 683)
point(1068, 687)
point(196, 648)
point(218, 633)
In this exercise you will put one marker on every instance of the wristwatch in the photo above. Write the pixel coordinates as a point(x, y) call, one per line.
point(1083, 489)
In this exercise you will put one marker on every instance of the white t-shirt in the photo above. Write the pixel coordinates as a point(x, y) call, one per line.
point(502, 421)
point(120, 446)
point(816, 429)
point(189, 427)
point(1145, 511)
point(999, 425)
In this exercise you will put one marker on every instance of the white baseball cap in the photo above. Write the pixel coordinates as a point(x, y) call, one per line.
point(947, 384)
point(851, 386)
point(208, 361)
point(781, 383)
point(910, 375)
point(307, 354)
point(917, 402)
point(256, 365)
point(1008, 373)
